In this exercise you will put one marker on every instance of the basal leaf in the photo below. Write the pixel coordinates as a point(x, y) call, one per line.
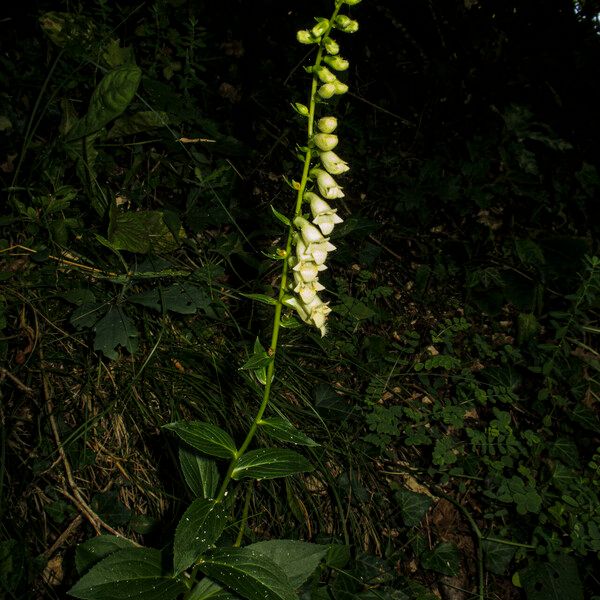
point(268, 463)
point(95, 549)
point(281, 429)
point(200, 473)
point(204, 437)
point(199, 528)
point(112, 96)
point(298, 560)
point(247, 573)
point(128, 573)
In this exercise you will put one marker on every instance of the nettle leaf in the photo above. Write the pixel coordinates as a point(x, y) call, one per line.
point(204, 437)
point(199, 528)
point(444, 559)
point(128, 573)
point(248, 573)
point(142, 232)
point(95, 549)
point(138, 123)
point(200, 473)
point(269, 463)
point(556, 580)
point(281, 429)
point(109, 100)
point(114, 329)
point(182, 298)
point(298, 560)
point(412, 506)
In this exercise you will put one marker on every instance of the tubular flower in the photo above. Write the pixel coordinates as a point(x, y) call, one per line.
point(327, 186)
point(318, 311)
point(333, 163)
point(307, 290)
point(308, 270)
point(324, 216)
point(325, 141)
point(310, 234)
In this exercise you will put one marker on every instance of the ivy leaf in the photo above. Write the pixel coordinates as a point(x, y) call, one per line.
point(199, 528)
point(269, 463)
point(444, 559)
point(114, 329)
point(413, 506)
point(204, 437)
point(95, 549)
point(497, 556)
point(298, 560)
point(281, 429)
point(248, 573)
point(128, 573)
point(200, 473)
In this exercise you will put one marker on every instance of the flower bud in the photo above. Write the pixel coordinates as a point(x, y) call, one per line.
point(337, 63)
point(325, 75)
point(301, 109)
point(331, 46)
point(320, 28)
point(327, 186)
point(346, 24)
point(327, 90)
point(304, 37)
point(325, 141)
point(327, 124)
point(339, 87)
point(333, 163)
point(351, 2)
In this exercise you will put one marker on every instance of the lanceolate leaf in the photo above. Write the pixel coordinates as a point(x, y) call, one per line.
point(281, 429)
point(95, 549)
point(268, 463)
point(205, 437)
point(298, 560)
point(128, 573)
point(200, 473)
point(209, 590)
point(199, 528)
point(248, 573)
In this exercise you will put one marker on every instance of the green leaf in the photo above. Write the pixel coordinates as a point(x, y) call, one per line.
point(268, 463)
point(298, 560)
point(281, 217)
point(557, 580)
point(262, 298)
point(113, 95)
point(115, 329)
point(412, 506)
point(248, 573)
point(200, 473)
point(209, 590)
point(204, 437)
point(181, 298)
point(128, 573)
point(281, 429)
point(199, 528)
point(258, 361)
point(141, 232)
point(497, 556)
point(444, 559)
point(95, 549)
point(138, 123)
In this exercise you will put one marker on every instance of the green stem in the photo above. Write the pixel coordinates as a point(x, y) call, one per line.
point(240, 536)
point(284, 271)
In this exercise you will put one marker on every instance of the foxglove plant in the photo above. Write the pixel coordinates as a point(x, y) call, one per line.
point(203, 567)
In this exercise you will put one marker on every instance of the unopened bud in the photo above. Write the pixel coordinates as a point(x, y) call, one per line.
point(346, 24)
point(327, 124)
point(337, 63)
point(320, 28)
point(304, 37)
point(325, 141)
point(325, 75)
point(340, 88)
point(327, 90)
point(331, 46)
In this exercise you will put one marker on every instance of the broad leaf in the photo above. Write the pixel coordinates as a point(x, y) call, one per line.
point(95, 549)
point(128, 573)
point(268, 463)
point(298, 560)
point(141, 232)
point(199, 528)
point(115, 329)
point(200, 473)
point(247, 573)
point(112, 96)
point(204, 437)
point(182, 298)
point(556, 580)
point(281, 429)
